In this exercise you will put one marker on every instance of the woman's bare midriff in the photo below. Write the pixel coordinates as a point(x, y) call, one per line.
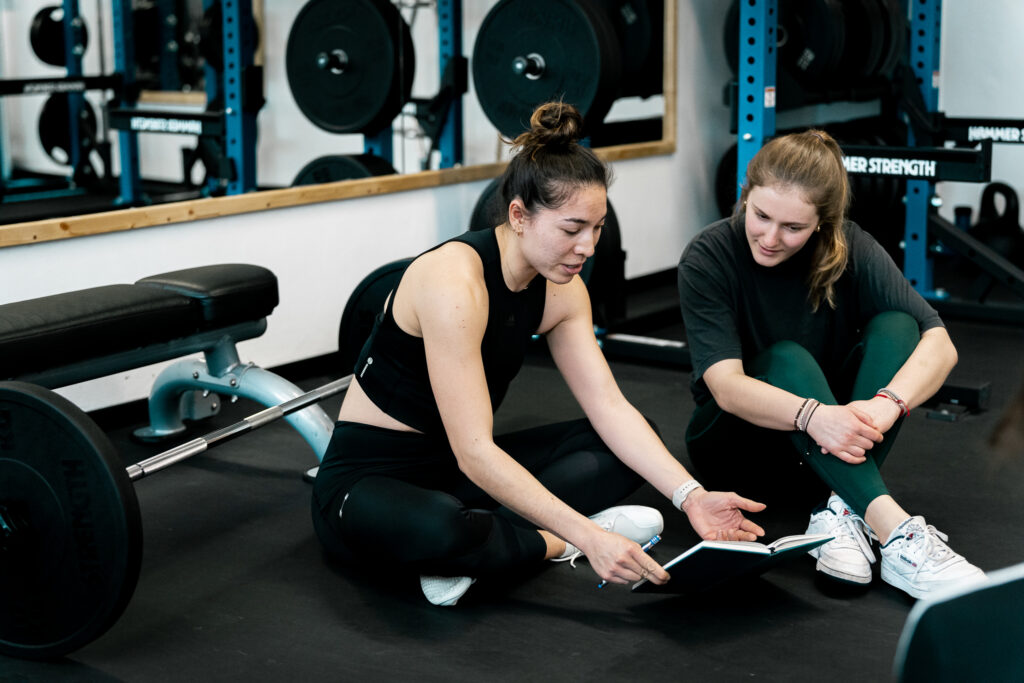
point(357, 407)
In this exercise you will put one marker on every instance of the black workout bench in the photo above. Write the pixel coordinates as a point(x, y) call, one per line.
point(63, 339)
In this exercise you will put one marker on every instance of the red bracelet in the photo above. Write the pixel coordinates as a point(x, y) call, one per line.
point(891, 395)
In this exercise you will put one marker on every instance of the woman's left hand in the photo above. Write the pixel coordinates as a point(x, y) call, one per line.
point(880, 412)
point(716, 515)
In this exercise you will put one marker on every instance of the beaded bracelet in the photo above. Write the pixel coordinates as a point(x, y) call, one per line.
point(796, 418)
point(810, 414)
point(891, 395)
point(803, 416)
point(684, 490)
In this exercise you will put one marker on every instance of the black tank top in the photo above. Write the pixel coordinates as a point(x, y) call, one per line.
point(392, 367)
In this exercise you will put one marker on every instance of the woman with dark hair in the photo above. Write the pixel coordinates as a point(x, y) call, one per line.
point(414, 476)
point(808, 344)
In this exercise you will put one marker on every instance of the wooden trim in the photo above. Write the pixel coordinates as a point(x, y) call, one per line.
point(668, 84)
point(189, 99)
point(202, 209)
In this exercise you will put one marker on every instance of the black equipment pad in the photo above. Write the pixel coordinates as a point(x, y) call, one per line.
point(71, 543)
point(63, 329)
point(68, 327)
point(226, 293)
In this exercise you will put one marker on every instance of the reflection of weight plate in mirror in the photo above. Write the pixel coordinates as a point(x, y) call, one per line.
point(54, 131)
point(47, 36)
point(350, 64)
point(528, 52)
point(334, 167)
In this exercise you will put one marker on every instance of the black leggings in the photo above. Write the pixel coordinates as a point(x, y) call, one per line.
point(387, 497)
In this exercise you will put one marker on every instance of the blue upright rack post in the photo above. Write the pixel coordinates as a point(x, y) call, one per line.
point(167, 17)
point(74, 48)
point(124, 64)
point(239, 119)
point(925, 25)
point(381, 144)
point(449, 21)
point(756, 107)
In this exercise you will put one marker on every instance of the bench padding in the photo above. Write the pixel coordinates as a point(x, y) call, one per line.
point(73, 327)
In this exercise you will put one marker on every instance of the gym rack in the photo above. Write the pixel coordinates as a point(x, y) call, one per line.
point(226, 131)
point(74, 84)
point(755, 123)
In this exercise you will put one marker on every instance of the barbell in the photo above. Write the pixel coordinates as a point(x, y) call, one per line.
point(70, 526)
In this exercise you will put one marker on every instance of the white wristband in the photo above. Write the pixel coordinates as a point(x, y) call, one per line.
point(684, 490)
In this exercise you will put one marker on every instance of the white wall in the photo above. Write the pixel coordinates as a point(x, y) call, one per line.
point(982, 53)
point(320, 252)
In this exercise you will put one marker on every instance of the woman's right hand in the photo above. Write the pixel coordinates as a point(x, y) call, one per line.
point(844, 431)
point(616, 559)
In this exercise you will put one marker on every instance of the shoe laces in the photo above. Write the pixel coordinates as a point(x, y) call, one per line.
point(931, 542)
point(849, 526)
point(570, 555)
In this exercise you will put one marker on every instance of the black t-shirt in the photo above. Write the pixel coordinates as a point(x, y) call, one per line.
point(735, 308)
point(392, 367)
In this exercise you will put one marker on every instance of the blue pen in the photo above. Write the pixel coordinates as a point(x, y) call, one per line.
point(646, 546)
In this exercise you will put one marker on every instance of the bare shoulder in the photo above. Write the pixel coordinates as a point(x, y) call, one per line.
point(442, 283)
point(454, 262)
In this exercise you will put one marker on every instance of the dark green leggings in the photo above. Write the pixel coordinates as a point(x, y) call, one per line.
point(734, 454)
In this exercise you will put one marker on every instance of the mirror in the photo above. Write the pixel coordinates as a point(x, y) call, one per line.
point(638, 106)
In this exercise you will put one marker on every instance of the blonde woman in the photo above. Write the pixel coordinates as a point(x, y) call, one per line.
point(809, 345)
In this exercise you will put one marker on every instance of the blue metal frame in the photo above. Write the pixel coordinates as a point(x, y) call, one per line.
point(124, 63)
point(240, 124)
point(925, 32)
point(449, 22)
point(756, 107)
point(382, 144)
point(74, 48)
point(170, 76)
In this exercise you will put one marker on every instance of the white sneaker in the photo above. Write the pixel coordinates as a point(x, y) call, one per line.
point(848, 556)
point(445, 591)
point(917, 560)
point(638, 523)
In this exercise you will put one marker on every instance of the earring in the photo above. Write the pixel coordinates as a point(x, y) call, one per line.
point(818, 229)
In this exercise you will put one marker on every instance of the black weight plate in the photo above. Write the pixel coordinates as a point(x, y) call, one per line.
point(725, 182)
point(54, 127)
point(363, 305)
point(488, 210)
point(581, 56)
point(865, 39)
point(334, 167)
point(46, 35)
point(366, 93)
point(70, 568)
point(811, 38)
point(731, 36)
point(631, 20)
point(894, 28)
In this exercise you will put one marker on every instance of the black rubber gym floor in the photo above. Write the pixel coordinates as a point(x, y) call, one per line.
point(234, 585)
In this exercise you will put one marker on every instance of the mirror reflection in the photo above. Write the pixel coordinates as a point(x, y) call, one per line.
point(231, 97)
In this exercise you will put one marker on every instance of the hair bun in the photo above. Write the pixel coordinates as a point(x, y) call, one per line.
point(555, 125)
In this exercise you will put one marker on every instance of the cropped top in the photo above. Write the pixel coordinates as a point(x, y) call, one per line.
point(392, 367)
